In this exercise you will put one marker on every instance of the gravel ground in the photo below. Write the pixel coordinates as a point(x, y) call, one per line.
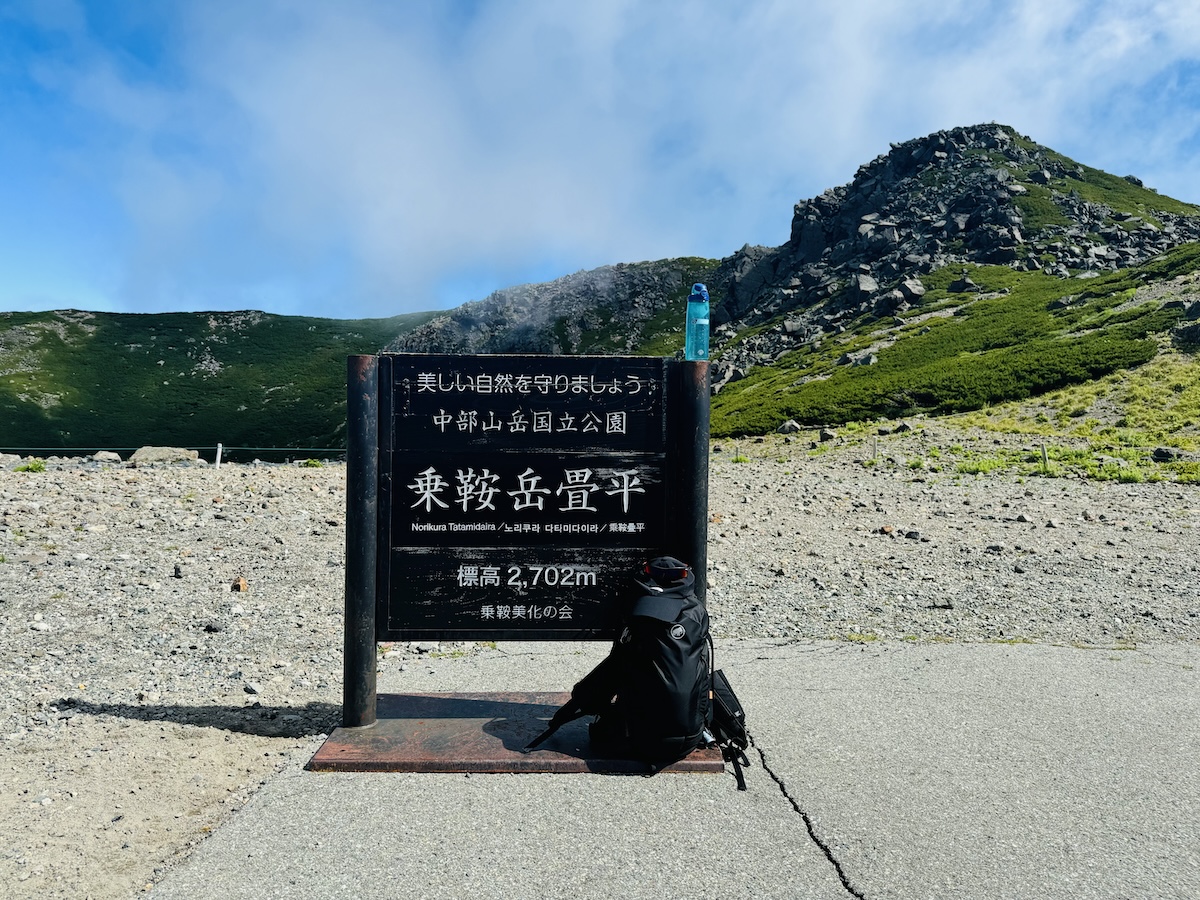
point(146, 698)
point(820, 546)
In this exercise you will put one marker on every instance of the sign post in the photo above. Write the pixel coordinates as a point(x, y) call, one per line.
point(510, 497)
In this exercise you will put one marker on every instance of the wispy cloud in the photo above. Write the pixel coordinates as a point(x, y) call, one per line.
point(367, 158)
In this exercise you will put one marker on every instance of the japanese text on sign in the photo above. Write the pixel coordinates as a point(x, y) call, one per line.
point(479, 491)
point(521, 490)
point(526, 385)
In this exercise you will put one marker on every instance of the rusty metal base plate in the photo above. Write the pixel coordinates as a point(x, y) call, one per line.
point(477, 733)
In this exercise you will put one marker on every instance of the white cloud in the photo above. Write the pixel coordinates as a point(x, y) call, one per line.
point(380, 150)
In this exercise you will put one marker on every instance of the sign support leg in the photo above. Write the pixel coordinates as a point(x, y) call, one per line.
point(362, 501)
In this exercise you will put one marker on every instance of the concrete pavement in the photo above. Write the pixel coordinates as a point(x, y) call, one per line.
point(893, 770)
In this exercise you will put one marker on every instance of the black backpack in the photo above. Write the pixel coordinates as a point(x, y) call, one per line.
point(653, 695)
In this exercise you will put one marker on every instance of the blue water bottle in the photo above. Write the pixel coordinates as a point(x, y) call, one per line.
point(695, 345)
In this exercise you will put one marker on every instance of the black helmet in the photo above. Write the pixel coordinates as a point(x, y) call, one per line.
point(664, 573)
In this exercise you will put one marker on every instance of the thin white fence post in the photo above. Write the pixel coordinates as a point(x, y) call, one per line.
point(219, 449)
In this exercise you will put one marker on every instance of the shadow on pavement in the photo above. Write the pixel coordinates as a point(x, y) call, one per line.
point(308, 720)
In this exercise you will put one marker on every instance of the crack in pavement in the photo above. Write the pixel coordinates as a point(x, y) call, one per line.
point(808, 824)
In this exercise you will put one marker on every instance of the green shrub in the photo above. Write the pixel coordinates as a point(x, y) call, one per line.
point(978, 465)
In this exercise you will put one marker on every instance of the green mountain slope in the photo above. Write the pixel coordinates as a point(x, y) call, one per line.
point(77, 379)
point(1021, 334)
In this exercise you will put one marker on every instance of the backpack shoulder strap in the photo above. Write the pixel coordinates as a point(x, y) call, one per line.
point(589, 696)
point(568, 712)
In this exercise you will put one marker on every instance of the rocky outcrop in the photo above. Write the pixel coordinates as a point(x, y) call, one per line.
point(163, 456)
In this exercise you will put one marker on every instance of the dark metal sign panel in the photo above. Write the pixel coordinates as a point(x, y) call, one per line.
point(518, 492)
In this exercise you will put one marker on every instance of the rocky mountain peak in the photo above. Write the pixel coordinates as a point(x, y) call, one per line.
point(982, 194)
point(896, 195)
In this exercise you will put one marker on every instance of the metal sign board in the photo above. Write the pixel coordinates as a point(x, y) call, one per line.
point(517, 493)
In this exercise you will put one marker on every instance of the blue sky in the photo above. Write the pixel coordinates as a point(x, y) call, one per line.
point(366, 158)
